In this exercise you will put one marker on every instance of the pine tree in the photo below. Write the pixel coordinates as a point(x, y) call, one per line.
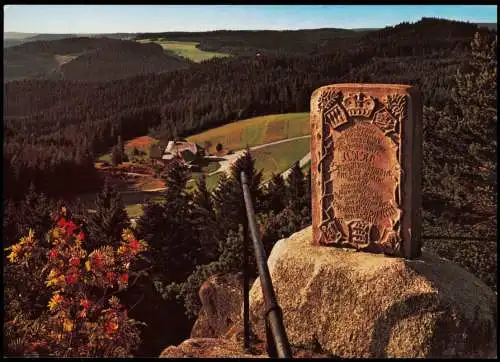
point(116, 158)
point(459, 167)
point(276, 194)
point(205, 221)
point(169, 229)
point(228, 195)
point(228, 201)
point(121, 148)
point(246, 163)
point(230, 260)
point(297, 189)
point(106, 225)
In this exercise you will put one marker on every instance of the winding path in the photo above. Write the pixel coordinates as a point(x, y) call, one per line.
point(228, 160)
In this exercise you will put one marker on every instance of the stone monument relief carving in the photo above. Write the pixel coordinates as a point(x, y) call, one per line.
point(365, 154)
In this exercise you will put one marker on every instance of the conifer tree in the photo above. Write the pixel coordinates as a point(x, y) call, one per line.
point(31, 212)
point(246, 163)
point(230, 260)
point(228, 196)
point(205, 221)
point(297, 189)
point(106, 225)
point(459, 167)
point(276, 194)
point(228, 203)
point(169, 229)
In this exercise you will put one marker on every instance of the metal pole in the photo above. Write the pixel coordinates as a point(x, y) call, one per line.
point(246, 296)
point(273, 311)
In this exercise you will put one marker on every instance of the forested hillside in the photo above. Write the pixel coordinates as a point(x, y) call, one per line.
point(251, 42)
point(54, 129)
point(87, 59)
point(64, 120)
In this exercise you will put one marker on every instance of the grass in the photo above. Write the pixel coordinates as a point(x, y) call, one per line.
point(255, 131)
point(211, 167)
point(278, 158)
point(237, 135)
point(105, 158)
point(142, 143)
point(134, 210)
point(186, 49)
point(134, 201)
point(306, 167)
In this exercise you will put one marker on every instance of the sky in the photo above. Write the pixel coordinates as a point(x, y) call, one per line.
point(162, 18)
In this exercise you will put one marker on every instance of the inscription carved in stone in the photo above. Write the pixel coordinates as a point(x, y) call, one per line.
point(366, 168)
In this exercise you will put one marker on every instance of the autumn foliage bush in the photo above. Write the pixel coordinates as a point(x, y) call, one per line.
point(83, 317)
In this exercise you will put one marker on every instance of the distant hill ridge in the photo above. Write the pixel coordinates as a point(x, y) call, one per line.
point(87, 58)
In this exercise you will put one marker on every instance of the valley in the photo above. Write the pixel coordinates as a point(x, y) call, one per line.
point(275, 141)
point(117, 131)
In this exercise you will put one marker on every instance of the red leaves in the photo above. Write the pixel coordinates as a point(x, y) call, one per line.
point(72, 271)
point(68, 226)
point(135, 246)
point(85, 303)
point(97, 260)
point(53, 254)
point(124, 278)
point(71, 278)
point(110, 328)
point(110, 276)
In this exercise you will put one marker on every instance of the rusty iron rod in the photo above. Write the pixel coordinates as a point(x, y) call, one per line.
point(246, 286)
point(273, 316)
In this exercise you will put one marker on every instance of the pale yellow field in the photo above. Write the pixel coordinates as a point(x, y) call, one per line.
point(255, 131)
point(186, 49)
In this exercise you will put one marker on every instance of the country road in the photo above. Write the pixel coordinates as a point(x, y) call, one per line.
point(225, 165)
point(230, 159)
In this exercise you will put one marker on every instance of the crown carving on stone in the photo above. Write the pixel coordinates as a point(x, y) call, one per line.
point(359, 105)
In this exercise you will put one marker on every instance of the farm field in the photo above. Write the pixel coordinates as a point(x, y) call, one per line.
point(135, 188)
point(255, 131)
point(142, 144)
point(185, 49)
point(278, 158)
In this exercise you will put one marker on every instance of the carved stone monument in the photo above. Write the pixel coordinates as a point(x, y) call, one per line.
point(365, 162)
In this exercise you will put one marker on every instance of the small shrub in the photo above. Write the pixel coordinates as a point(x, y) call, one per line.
point(83, 317)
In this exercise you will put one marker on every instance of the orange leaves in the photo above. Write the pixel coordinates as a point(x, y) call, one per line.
point(55, 301)
point(73, 273)
point(68, 325)
point(85, 303)
point(96, 259)
point(110, 328)
point(23, 249)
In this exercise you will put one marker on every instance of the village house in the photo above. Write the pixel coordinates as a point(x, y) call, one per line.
point(188, 152)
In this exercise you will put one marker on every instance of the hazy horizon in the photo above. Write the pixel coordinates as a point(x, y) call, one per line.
point(100, 19)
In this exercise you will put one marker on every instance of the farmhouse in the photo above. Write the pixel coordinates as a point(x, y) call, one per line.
point(187, 151)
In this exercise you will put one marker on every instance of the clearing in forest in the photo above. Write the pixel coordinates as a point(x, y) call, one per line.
point(186, 49)
point(255, 131)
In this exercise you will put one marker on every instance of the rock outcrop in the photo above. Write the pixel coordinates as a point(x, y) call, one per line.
point(207, 347)
point(221, 297)
point(355, 304)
